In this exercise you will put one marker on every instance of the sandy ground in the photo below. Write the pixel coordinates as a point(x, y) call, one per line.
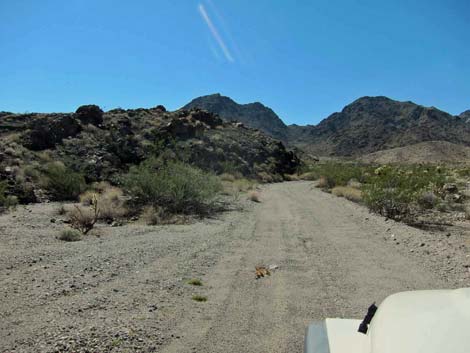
point(127, 290)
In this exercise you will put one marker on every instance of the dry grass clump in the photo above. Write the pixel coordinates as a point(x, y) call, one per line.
point(111, 201)
point(254, 196)
point(292, 177)
point(265, 177)
point(154, 215)
point(324, 183)
point(227, 177)
point(70, 235)
point(347, 192)
point(354, 184)
point(82, 218)
point(195, 282)
point(61, 210)
point(308, 176)
point(199, 298)
point(239, 185)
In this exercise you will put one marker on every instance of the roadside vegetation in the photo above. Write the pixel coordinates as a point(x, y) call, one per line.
point(175, 186)
point(401, 192)
point(62, 183)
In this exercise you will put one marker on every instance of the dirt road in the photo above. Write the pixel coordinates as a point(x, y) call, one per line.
point(127, 290)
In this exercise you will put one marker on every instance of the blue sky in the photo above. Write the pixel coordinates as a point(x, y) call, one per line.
point(304, 59)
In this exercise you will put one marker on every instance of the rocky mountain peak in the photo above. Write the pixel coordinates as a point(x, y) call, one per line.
point(255, 115)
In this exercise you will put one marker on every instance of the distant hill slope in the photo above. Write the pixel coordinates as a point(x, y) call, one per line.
point(371, 124)
point(254, 115)
point(423, 152)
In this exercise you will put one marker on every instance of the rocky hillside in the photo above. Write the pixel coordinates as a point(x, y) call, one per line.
point(466, 116)
point(254, 115)
point(102, 146)
point(372, 124)
point(434, 152)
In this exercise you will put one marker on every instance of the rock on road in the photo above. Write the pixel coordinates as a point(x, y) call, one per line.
point(127, 290)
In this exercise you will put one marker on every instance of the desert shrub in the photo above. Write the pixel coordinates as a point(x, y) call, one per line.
point(265, 177)
point(229, 167)
point(309, 176)
point(62, 183)
point(291, 177)
point(195, 282)
point(347, 192)
point(31, 172)
point(82, 218)
point(110, 200)
point(70, 235)
point(112, 204)
point(227, 177)
point(176, 186)
point(237, 187)
point(254, 196)
point(392, 191)
point(428, 200)
point(61, 210)
point(353, 183)
point(244, 185)
point(338, 174)
point(325, 183)
point(199, 298)
point(153, 216)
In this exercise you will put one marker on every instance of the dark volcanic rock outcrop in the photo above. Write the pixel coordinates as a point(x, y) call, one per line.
point(45, 132)
point(89, 114)
point(104, 145)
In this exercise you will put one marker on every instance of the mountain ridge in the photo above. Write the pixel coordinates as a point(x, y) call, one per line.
point(368, 124)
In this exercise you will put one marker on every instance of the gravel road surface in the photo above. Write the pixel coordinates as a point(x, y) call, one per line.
point(127, 290)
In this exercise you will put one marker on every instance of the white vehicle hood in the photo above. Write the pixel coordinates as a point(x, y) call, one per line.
point(432, 321)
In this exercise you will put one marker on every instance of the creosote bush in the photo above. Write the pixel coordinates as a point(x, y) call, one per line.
point(175, 186)
point(62, 183)
point(394, 191)
point(70, 235)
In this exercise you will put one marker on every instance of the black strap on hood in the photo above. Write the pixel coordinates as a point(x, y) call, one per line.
point(363, 327)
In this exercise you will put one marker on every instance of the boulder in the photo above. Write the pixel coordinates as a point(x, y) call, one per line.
point(207, 118)
point(89, 114)
point(48, 131)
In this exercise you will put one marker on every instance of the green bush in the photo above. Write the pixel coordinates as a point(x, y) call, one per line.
point(175, 186)
point(338, 174)
point(62, 183)
point(393, 191)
